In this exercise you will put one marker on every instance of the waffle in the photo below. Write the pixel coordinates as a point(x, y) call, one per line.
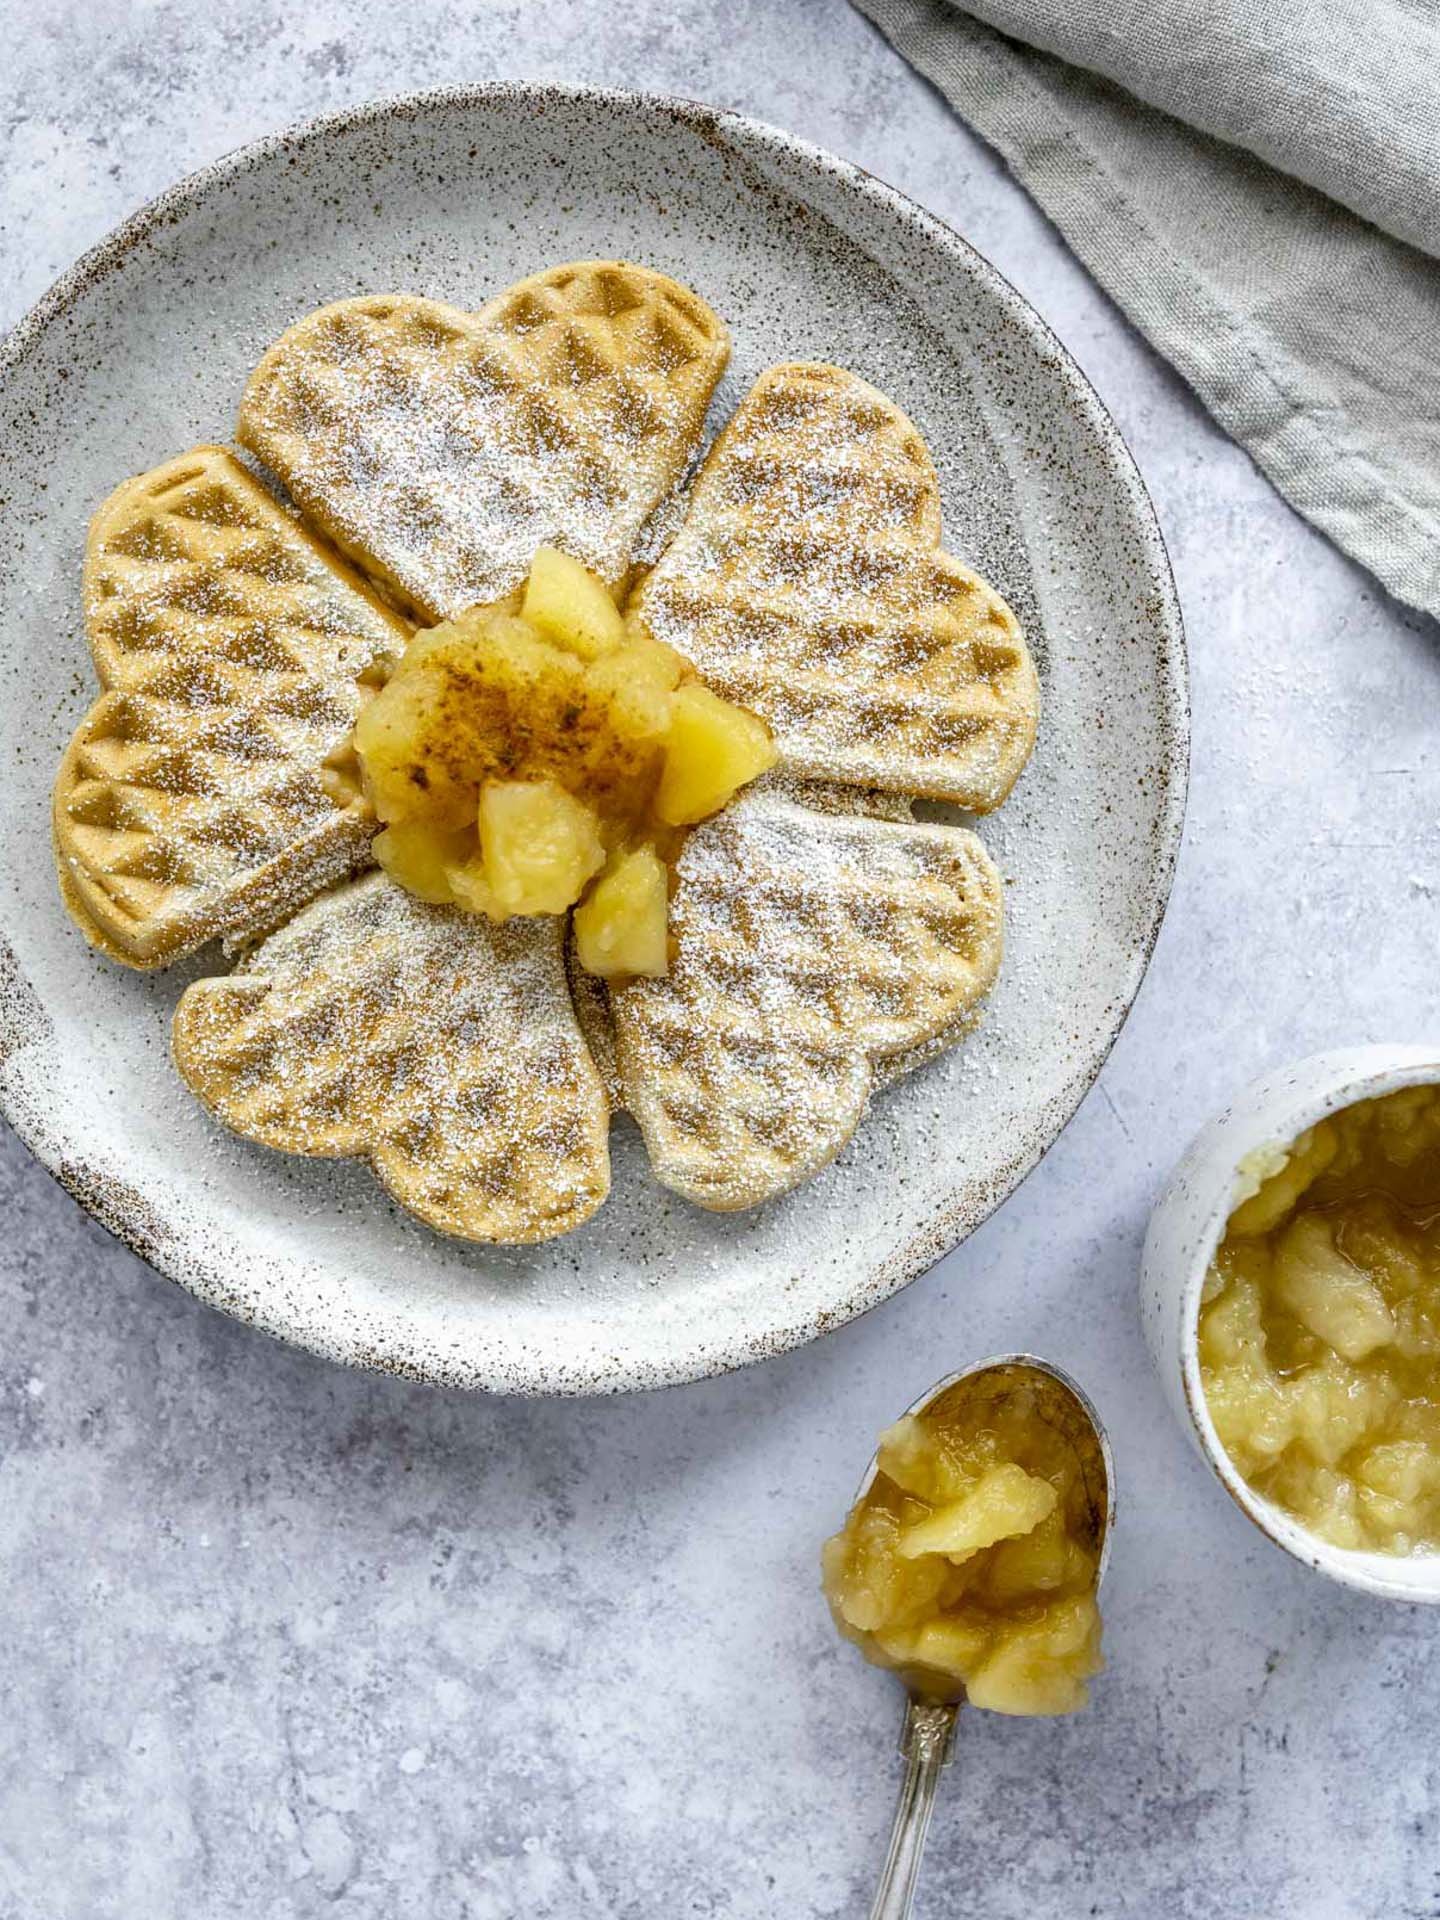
point(192, 800)
point(438, 1046)
point(808, 583)
point(823, 940)
point(592, 996)
point(808, 948)
point(440, 449)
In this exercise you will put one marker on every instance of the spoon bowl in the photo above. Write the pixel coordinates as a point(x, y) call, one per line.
point(1065, 1406)
point(928, 1736)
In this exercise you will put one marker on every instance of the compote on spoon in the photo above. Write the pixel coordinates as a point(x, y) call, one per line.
point(970, 1564)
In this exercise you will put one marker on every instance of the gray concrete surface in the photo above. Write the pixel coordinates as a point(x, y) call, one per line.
point(282, 1641)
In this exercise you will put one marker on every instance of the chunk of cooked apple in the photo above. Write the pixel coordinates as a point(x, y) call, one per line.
point(1042, 1665)
point(538, 847)
point(622, 924)
point(1003, 1501)
point(570, 605)
point(518, 748)
point(713, 750)
point(420, 857)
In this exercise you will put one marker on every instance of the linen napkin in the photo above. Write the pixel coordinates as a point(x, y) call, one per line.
point(1257, 184)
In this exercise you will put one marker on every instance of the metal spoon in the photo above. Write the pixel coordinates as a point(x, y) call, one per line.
point(928, 1736)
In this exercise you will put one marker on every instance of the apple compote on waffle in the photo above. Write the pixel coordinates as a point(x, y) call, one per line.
point(538, 754)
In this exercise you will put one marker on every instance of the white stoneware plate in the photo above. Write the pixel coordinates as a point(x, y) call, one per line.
point(142, 350)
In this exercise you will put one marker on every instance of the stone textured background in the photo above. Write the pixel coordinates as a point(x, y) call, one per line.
point(281, 1641)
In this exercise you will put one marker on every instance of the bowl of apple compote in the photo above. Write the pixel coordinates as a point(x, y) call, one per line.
point(1312, 1374)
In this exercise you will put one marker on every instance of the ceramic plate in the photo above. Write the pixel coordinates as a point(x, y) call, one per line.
point(142, 350)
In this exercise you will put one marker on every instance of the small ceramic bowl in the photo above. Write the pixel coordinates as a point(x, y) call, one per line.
point(1185, 1230)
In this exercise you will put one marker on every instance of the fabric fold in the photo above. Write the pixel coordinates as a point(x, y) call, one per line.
point(1330, 92)
point(1312, 335)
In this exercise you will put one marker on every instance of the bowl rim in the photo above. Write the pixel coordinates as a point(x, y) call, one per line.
point(1319, 1085)
point(952, 1219)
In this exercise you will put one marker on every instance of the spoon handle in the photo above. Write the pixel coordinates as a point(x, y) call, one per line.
point(926, 1742)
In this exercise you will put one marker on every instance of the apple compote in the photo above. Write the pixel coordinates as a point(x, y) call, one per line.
point(537, 753)
point(1320, 1326)
point(969, 1564)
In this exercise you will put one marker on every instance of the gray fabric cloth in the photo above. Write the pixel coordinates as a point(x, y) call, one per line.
point(1258, 187)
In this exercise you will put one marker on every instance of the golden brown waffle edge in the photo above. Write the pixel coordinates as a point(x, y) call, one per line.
point(191, 801)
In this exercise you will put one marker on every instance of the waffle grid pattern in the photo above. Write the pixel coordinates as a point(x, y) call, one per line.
point(191, 800)
point(808, 583)
point(823, 939)
point(443, 1049)
point(808, 946)
point(440, 448)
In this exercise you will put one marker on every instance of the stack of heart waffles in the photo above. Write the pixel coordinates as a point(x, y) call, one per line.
point(821, 939)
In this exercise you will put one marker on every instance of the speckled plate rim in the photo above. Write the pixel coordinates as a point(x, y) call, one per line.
point(948, 1224)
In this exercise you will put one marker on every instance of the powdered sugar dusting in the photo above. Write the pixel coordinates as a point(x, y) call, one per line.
point(191, 800)
point(812, 940)
point(801, 253)
point(440, 448)
point(809, 945)
point(441, 1047)
point(807, 583)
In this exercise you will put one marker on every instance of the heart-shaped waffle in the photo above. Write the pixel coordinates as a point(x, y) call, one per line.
point(808, 584)
point(807, 947)
point(440, 449)
point(192, 799)
point(441, 1048)
point(818, 947)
